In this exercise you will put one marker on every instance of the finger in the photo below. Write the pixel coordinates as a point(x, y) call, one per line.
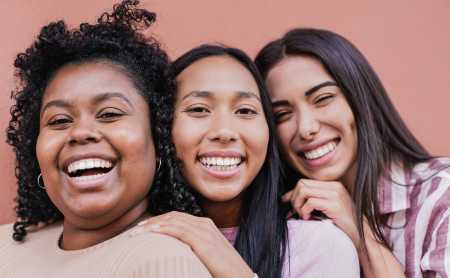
point(287, 196)
point(51, 221)
point(184, 231)
point(324, 185)
point(200, 222)
point(306, 192)
point(313, 204)
point(41, 225)
point(168, 221)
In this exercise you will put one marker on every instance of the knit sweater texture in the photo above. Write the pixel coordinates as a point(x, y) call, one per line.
point(146, 255)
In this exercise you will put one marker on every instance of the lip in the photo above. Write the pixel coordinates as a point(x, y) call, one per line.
point(315, 145)
point(322, 160)
point(221, 154)
point(90, 184)
point(77, 157)
point(222, 174)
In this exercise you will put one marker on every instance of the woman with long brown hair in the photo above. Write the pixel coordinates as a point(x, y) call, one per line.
point(349, 155)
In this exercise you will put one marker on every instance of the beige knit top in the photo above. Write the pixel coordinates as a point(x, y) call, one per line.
point(146, 255)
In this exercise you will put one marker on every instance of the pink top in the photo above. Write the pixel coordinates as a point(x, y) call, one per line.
point(316, 249)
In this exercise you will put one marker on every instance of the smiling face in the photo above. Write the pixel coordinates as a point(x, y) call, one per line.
point(220, 131)
point(315, 123)
point(95, 148)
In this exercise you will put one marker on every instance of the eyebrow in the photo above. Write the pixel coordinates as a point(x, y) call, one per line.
point(206, 94)
point(57, 103)
point(96, 99)
point(241, 94)
point(101, 97)
point(280, 103)
point(317, 87)
point(307, 93)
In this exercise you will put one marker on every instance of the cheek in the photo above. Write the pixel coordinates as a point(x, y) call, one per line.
point(48, 147)
point(287, 132)
point(136, 145)
point(186, 135)
point(256, 137)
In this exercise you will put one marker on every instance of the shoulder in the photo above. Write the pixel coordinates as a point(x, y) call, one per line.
point(432, 182)
point(439, 166)
point(320, 248)
point(150, 251)
point(6, 233)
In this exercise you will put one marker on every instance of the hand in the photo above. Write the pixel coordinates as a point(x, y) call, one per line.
point(40, 224)
point(205, 239)
point(44, 224)
point(331, 198)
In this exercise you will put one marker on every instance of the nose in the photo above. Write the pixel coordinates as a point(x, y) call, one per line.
point(222, 129)
point(83, 132)
point(307, 125)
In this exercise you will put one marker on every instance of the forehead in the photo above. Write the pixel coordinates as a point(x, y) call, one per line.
point(78, 81)
point(297, 72)
point(216, 74)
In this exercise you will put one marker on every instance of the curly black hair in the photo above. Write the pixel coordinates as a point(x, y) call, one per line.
point(115, 39)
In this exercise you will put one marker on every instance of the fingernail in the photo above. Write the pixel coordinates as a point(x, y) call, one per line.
point(155, 227)
point(142, 223)
point(136, 230)
point(133, 232)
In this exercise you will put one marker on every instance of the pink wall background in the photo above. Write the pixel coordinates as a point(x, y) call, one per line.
point(407, 42)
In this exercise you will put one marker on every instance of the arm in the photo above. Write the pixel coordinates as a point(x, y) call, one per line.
point(334, 201)
point(436, 259)
point(320, 249)
point(207, 242)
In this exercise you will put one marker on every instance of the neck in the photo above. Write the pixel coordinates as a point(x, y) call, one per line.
point(348, 178)
point(75, 238)
point(224, 214)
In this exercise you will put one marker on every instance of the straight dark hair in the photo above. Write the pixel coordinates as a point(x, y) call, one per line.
point(383, 137)
point(262, 223)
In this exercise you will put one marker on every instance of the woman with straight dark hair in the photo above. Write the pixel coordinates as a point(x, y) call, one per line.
point(350, 156)
point(225, 137)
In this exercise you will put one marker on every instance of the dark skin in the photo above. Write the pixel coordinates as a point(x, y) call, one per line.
point(93, 111)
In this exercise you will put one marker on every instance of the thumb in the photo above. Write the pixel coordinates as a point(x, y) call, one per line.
point(287, 196)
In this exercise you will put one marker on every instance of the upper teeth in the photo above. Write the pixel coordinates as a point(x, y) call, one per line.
point(321, 151)
point(88, 164)
point(221, 161)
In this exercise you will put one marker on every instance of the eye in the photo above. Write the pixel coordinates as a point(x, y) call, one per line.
point(280, 115)
point(59, 120)
point(110, 113)
point(322, 98)
point(197, 110)
point(246, 111)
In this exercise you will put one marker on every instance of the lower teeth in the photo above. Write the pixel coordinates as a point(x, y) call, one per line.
point(221, 168)
point(91, 177)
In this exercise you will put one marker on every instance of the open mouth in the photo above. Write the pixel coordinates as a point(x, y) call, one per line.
point(221, 163)
point(89, 169)
point(321, 151)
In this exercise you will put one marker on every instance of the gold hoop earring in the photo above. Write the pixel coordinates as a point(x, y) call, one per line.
point(159, 165)
point(40, 175)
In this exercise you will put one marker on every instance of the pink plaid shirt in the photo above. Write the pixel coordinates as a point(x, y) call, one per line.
point(419, 217)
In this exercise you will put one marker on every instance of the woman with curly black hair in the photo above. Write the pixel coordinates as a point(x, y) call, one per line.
point(91, 131)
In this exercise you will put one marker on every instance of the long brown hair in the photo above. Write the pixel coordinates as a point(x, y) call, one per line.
point(382, 135)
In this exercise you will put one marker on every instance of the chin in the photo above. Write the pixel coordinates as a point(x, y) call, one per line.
point(221, 195)
point(90, 207)
point(326, 175)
